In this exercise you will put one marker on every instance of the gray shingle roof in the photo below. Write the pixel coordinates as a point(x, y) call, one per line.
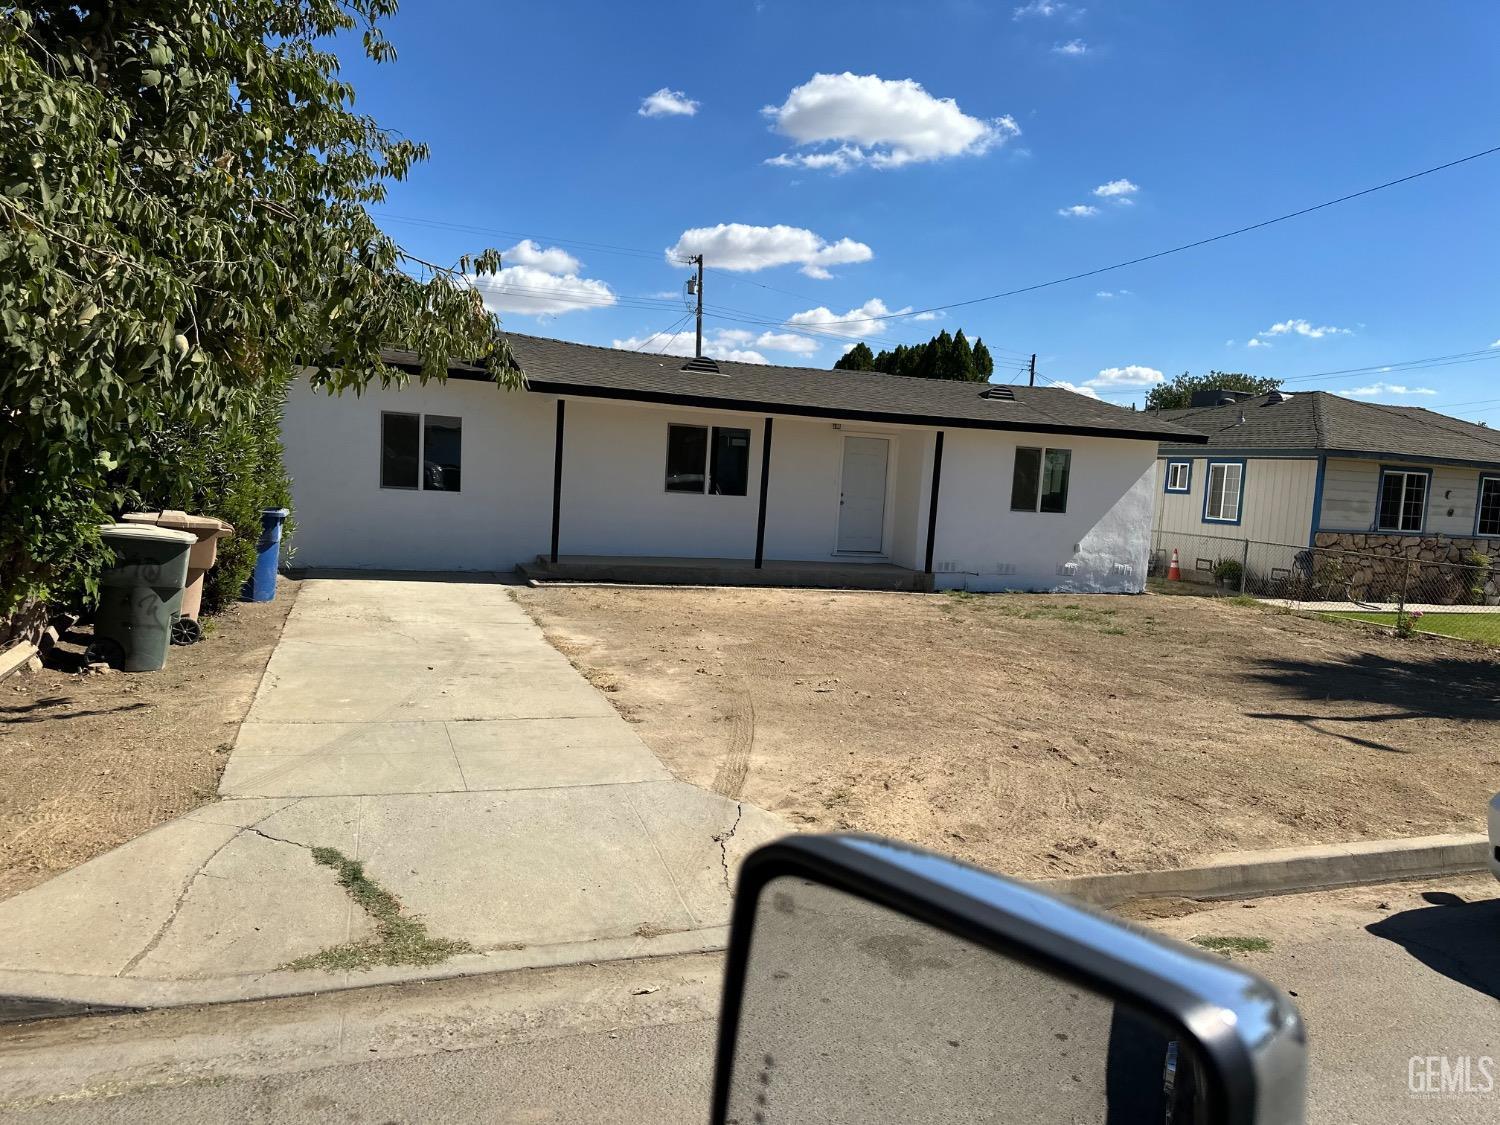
point(554, 366)
point(1317, 420)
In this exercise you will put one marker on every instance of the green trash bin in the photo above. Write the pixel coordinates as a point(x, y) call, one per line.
point(140, 596)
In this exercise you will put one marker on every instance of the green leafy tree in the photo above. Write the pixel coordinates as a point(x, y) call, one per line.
point(1179, 392)
point(857, 358)
point(961, 359)
point(184, 188)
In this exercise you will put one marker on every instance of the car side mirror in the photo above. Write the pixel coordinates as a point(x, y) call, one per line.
point(869, 981)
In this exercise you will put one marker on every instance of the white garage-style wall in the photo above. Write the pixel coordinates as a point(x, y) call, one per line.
point(501, 515)
point(1100, 544)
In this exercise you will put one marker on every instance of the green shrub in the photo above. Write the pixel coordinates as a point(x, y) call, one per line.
point(1228, 572)
point(231, 470)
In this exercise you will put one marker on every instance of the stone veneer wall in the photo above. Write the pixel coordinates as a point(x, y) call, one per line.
point(1440, 572)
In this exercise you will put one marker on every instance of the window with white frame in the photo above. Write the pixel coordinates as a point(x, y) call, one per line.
point(1040, 480)
point(1226, 486)
point(1403, 500)
point(1179, 476)
point(421, 452)
point(1488, 522)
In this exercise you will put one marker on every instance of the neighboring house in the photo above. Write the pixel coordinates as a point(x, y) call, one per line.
point(620, 454)
point(1316, 470)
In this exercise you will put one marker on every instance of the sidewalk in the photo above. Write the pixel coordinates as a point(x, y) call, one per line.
point(427, 730)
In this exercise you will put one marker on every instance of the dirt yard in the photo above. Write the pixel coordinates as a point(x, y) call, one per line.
point(90, 760)
point(1046, 735)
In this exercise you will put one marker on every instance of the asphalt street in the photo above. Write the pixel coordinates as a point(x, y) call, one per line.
point(1398, 985)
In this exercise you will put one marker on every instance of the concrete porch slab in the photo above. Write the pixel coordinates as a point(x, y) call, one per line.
point(840, 574)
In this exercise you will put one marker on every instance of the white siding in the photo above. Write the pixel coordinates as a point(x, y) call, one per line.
point(1277, 504)
point(1351, 492)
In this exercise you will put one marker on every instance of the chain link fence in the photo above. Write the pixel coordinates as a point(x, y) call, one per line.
point(1399, 590)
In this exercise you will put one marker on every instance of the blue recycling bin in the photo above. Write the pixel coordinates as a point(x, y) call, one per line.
point(262, 584)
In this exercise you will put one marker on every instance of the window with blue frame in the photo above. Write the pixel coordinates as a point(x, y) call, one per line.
point(1225, 492)
point(1403, 500)
point(1179, 476)
point(1487, 521)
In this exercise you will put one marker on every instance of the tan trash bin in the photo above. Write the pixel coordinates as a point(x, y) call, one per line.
point(209, 531)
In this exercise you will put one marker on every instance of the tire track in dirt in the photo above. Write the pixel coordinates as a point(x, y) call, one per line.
point(729, 780)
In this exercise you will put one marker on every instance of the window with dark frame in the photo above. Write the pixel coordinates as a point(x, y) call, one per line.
point(1403, 500)
point(400, 450)
point(711, 459)
point(442, 449)
point(1488, 522)
point(1040, 480)
point(421, 452)
point(1179, 476)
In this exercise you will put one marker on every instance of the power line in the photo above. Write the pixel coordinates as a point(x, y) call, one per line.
point(1200, 242)
point(669, 332)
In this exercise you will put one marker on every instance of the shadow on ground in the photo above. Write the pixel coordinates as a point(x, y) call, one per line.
point(1451, 937)
point(1422, 687)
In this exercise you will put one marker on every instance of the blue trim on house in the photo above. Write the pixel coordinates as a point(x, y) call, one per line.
point(1167, 476)
point(1380, 493)
point(1239, 508)
point(1167, 450)
point(1479, 504)
point(1317, 504)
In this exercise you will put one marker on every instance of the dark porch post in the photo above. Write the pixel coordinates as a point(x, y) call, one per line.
point(765, 480)
point(932, 505)
point(557, 454)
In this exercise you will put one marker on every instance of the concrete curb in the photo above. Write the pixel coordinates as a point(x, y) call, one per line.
point(28, 996)
point(1285, 870)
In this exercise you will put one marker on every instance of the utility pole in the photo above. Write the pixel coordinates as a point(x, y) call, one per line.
point(695, 286)
point(1033, 370)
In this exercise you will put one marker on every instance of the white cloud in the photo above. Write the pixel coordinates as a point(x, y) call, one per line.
point(529, 291)
point(736, 344)
point(938, 315)
point(736, 246)
point(878, 122)
point(859, 321)
point(786, 342)
point(1304, 328)
point(1045, 9)
point(1085, 390)
point(1133, 375)
point(1077, 211)
point(1108, 294)
point(1073, 48)
point(1496, 344)
point(1118, 191)
point(551, 260)
point(1229, 343)
point(667, 103)
point(716, 346)
point(1255, 342)
point(1376, 389)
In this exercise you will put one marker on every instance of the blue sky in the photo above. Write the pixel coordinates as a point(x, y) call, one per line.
point(932, 162)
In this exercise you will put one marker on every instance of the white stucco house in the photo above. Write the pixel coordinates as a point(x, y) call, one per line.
point(621, 464)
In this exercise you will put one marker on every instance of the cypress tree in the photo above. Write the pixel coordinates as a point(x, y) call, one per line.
point(857, 358)
point(984, 365)
point(962, 359)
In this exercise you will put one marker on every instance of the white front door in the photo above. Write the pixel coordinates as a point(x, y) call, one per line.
point(862, 494)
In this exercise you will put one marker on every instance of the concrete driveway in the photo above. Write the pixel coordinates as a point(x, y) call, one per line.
point(426, 729)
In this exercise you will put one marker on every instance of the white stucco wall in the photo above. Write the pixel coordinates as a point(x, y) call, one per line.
point(503, 513)
point(614, 500)
point(1104, 536)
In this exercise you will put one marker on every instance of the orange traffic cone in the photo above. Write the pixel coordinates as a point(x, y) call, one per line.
point(1174, 572)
